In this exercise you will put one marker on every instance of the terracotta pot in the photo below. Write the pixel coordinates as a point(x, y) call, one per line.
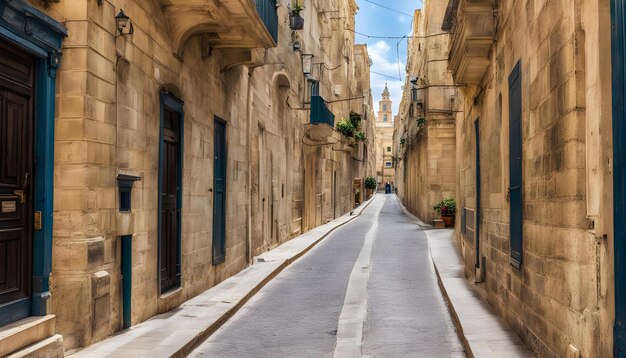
point(448, 220)
point(369, 192)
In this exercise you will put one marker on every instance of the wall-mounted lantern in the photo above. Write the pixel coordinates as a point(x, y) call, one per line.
point(123, 24)
point(307, 63)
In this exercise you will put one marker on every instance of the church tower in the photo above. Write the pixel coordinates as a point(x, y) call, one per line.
point(384, 108)
point(384, 141)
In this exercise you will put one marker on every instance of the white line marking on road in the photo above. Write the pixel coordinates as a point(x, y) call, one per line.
point(354, 311)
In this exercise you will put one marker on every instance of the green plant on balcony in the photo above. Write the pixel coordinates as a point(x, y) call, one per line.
point(345, 127)
point(360, 136)
point(355, 119)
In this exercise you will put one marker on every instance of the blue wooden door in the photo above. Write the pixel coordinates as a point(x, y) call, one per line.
point(515, 164)
point(619, 172)
point(219, 193)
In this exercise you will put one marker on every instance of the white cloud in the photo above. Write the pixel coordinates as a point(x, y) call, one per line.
point(385, 61)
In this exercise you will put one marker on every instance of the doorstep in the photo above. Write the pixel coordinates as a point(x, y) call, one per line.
point(25, 332)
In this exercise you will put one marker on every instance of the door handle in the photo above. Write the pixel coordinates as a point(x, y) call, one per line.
point(21, 196)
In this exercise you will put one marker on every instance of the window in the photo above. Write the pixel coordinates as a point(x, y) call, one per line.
point(387, 164)
point(384, 107)
point(388, 149)
point(385, 118)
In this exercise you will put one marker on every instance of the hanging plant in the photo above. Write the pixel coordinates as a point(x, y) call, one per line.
point(359, 136)
point(296, 22)
point(345, 127)
point(355, 119)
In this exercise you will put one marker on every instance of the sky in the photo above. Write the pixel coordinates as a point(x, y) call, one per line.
point(379, 20)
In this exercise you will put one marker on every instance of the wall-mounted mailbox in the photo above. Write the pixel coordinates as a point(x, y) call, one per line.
point(125, 185)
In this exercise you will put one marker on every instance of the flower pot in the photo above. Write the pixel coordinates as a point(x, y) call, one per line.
point(370, 192)
point(296, 22)
point(448, 220)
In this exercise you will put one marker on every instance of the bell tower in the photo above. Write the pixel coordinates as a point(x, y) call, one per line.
point(384, 108)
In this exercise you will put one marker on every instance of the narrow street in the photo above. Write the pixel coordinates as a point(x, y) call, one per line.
point(402, 314)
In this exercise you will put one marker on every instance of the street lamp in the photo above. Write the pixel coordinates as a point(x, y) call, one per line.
point(307, 63)
point(122, 21)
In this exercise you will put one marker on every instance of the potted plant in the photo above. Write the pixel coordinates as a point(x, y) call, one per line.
point(296, 22)
point(370, 186)
point(447, 210)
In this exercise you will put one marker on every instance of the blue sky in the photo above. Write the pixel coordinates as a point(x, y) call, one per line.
point(376, 20)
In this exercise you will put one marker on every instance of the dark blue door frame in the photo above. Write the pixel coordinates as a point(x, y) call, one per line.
point(477, 213)
point(41, 36)
point(173, 104)
point(515, 166)
point(127, 279)
point(219, 192)
point(618, 58)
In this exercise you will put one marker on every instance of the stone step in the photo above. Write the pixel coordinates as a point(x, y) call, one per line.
point(23, 333)
point(51, 347)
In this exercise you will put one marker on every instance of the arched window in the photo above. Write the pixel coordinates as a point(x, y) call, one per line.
point(385, 118)
point(384, 107)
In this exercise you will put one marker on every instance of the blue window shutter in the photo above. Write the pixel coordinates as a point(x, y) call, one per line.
point(515, 164)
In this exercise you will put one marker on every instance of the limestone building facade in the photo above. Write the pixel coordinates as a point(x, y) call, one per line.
point(168, 152)
point(384, 141)
point(424, 135)
point(538, 183)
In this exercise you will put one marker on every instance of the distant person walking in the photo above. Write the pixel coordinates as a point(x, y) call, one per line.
point(388, 188)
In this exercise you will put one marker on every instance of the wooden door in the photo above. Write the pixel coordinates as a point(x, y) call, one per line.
point(170, 187)
point(16, 173)
point(219, 193)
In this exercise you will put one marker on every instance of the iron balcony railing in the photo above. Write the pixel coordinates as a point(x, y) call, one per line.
point(268, 13)
point(320, 114)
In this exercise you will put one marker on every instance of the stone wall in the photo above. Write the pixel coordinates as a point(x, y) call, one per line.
point(560, 300)
point(107, 123)
point(425, 137)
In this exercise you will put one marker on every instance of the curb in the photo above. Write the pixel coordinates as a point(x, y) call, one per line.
point(419, 222)
point(455, 318)
point(190, 346)
point(469, 312)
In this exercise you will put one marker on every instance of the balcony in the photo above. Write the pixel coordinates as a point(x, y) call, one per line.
point(321, 128)
point(320, 114)
point(230, 25)
point(473, 29)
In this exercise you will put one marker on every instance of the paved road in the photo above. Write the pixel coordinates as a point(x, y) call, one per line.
point(297, 313)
